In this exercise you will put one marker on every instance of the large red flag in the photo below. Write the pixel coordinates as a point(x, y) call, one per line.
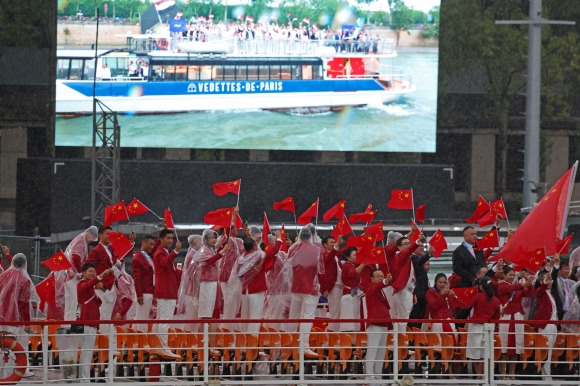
point(362, 241)
point(420, 214)
point(438, 242)
point(546, 223)
point(401, 199)
point(57, 262)
point(223, 188)
point(480, 209)
point(463, 294)
point(563, 246)
point(114, 213)
point(366, 217)
point(489, 240)
point(168, 218)
point(376, 230)
point(120, 243)
point(499, 207)
point(286, 204)
point(136, 208)
point(306, 217)
point(337, 211)
point(341, 228)
point(266, 230)
point(373, 255)
point(46, 292)
point(532, 260)
point(283, 247)
point(222, 216)
point(487, 219)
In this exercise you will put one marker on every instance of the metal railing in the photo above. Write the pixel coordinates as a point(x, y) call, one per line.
point(220, 353)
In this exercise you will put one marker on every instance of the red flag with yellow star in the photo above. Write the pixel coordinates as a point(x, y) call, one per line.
point(487, 219)
point(120, 243)
point(499, 207)
point(531, 260)
point(238, 223)
point(306, 217)
point(481, 208)
point(136, 207)
point(223, 188)
point(337, 211)
point(401, 199)
point(363, 241)
point(373, 255)
point(46, 292)
point(367, 216)
point(489, 240)
point(57, 262)
point(546, 223)
point(563, 246)
point(463, 294)
point(283, 247)
point(341, 228)
point(286, 204)
point(114, 213)
point(222, 216)
point(438, 242)
point(376, 230)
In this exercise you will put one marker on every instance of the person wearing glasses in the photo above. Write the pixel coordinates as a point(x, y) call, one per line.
point(378, 325)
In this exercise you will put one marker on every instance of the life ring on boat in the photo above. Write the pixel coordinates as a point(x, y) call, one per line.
point(162, 43)
point(8, 343)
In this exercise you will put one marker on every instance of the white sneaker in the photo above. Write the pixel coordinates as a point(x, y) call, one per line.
point(310, 353)
point(28, 374)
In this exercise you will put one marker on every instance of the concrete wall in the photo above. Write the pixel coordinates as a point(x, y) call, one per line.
point(84, 34)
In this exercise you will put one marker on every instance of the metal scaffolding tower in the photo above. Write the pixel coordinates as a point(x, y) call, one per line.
point(106, 156)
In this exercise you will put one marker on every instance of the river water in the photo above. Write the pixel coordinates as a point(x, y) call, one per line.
point(409, 125)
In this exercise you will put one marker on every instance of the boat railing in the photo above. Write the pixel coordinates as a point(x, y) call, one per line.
point(395, 73)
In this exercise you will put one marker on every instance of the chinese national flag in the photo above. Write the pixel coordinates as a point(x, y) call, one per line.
point(489, 240)
point(341, 228)
point(376, 230)
point(373, 255)
point(266, 230)
point(482, 207)
point(222, 216)
point(531, 260)
point(286, 204)
point(136, 208)
point(401, 199)
point(438, 243)
point(120, 243)
point(58, 262)
point(367, 216)
point(463, 294)
point(336, 211)
point(363, 241)
point(563, 246)
point(499, 208)
point(238, 223)
point(46, 292)
point(312, 211)
point(223, 188)
point(168, 218)
point(546, 222)
point(283, 247)
point(415, 235)
point(114, 213)
point(487, 219)
point(420, 214)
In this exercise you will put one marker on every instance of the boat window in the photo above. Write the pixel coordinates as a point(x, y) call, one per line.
point(297, 71)
point(241, 72)
point(193, 73)
point(274, 72)
point(207, 73)
point(219, 72)
point(62, 66)
point(180, 72)
point(306, 72)
point(253, 73)
point(169, 73)
point(285, 72)
point(76, 69)
point(158, 72)
point(229, 72)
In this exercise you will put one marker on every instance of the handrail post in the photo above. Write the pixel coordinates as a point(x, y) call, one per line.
point(112, 348)
point(300, 352)
point(45, 354)
point(395, 350)
point(206, 353)
point(488, 363)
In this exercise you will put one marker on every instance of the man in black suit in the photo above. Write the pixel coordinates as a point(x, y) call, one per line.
point(466, 259)
point(420, 261)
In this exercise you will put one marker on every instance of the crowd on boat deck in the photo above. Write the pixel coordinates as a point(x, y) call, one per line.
point(244, 273)
point(284, 38)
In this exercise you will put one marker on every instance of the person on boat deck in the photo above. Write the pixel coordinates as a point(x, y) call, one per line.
point(144, 70)
point(132, 68)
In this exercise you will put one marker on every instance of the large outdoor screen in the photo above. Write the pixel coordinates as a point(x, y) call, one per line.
point(350, 81)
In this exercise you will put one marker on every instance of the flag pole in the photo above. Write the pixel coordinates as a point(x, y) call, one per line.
point(128, 218)
point(385, 255)
point(174, 228)
point(239, 190)
point(296, 224)
point(413, 203)
point(350, 226)
point(317, 205)
point(506, 214)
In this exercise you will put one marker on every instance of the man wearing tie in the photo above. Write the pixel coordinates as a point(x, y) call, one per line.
point(562, 288)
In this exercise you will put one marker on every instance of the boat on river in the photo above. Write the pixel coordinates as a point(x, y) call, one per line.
point(186, 76)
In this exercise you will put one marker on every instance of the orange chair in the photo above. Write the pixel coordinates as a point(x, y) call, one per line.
point(190, 349)
point(333, 343)
point(251, 351)
point(433, 346)
point(34, 343)
point(132, 347)
point(52, 328)
point(572, 349)
point(496, 347)
point(345, 350)
point(420, 345)
point(529, 344)
point(447, 350)
point(559, 347)
point(461, 352)
point(275, 341)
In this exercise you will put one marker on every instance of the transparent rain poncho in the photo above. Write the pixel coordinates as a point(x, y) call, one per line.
point(17, 292)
